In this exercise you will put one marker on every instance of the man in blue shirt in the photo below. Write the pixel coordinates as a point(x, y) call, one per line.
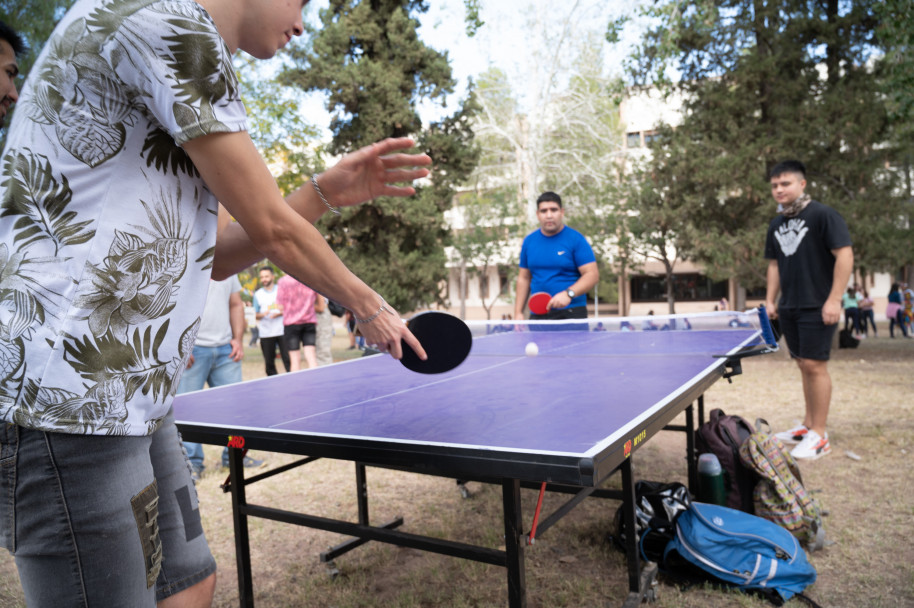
point(557, 260)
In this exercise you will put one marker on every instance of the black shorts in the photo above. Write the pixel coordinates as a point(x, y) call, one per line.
point(806, 335)
point(300, 334)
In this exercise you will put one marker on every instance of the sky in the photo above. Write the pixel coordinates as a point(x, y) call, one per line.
point(507, 40)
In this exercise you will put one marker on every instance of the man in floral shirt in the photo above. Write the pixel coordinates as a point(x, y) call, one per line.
point(127, 133)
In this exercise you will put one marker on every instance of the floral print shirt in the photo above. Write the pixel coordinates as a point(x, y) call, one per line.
point(107, 231)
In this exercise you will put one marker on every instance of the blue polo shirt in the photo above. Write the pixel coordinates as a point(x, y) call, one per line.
point(553, 261)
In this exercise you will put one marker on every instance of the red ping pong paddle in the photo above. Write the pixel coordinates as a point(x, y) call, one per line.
point(538, 302)
point(446, 339)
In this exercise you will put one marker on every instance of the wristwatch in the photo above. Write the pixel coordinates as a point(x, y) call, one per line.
point(570, 293)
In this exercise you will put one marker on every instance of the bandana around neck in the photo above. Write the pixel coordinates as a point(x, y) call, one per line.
point(794, 208)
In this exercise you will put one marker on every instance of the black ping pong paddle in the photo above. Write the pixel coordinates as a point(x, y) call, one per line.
point(538, 303)
point(446, 339)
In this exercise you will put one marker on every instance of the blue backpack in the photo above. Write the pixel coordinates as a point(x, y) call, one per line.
point(741, 550)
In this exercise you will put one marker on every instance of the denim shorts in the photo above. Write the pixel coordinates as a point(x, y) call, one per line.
point(806, 335)
point(98, 520)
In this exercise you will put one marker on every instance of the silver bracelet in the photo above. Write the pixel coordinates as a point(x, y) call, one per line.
point(321, 195)
point(377, 314)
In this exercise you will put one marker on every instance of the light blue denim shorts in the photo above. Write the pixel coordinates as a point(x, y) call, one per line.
point(100, 521)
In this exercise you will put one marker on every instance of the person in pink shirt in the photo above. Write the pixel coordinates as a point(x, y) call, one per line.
point(296, 301)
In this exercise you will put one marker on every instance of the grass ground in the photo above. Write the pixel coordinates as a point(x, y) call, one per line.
point(870, 504)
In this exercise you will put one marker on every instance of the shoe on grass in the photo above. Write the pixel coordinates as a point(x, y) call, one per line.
point(794, 435)
point(249, 463)
point(812, 447)
point(196, 472)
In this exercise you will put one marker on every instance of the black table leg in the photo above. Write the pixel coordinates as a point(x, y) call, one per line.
point(242, 542)
point(631, 537)
point(691, 455)
point(361, 489)
point(514, 546)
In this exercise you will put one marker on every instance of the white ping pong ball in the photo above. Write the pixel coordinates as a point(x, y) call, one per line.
point(532, 349)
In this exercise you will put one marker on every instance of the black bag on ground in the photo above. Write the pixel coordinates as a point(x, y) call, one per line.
point(656, 507)
point(846, 339)
point(336, 310)
point(722, 436)
point(697, 543)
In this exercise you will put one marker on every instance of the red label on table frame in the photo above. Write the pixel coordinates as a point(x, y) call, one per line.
point(235, 441)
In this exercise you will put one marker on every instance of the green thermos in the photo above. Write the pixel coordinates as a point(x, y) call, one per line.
point(711, 480)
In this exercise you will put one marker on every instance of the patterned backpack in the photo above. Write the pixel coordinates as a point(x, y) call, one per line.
point(779, 496)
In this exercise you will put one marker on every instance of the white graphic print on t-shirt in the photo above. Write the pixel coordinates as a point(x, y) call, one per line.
point(790, 235)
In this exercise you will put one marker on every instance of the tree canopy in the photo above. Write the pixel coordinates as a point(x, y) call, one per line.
point(897, 36)
point(368, 58)
point(557, 128)
point(290, 145)
point(764, 81)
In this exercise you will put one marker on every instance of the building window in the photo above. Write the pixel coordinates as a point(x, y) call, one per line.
point(633, 140)
point(686, 288)
point(650, 136)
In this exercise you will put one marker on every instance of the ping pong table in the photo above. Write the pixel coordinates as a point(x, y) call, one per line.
point(568, 417)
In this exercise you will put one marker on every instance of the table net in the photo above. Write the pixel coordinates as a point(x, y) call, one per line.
point(700, 333)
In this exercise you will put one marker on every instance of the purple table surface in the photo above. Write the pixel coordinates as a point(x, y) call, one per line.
point(582, 392)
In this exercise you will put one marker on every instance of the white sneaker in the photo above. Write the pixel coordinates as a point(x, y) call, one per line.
point(794, 435)
point(812, 447)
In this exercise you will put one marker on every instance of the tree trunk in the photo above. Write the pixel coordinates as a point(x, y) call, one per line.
point(463, 289)
point(740, 303)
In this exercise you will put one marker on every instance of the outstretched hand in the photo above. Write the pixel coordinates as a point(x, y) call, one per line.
point(384, 332)
point(371, 172)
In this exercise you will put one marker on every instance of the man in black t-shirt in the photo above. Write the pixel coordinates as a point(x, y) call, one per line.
point(810, 261)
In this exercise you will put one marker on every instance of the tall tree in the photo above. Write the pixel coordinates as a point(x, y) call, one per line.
point(583, 155)
point(897, 37)
point(369, 59)
point(289, 144)
point(765, 80)
point(558, 129)
point(654, 213)
point(484, 231)
point(558, 125)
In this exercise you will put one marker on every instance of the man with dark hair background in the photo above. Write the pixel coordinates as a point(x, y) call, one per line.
point(810, 262)
point(11, 47)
